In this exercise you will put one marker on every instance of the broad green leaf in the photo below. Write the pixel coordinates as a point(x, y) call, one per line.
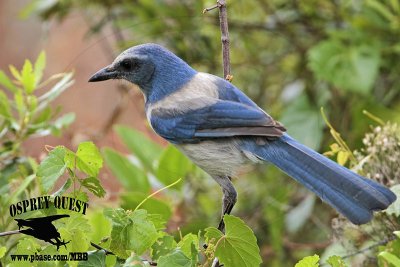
point(26, 246)
point(101, 226)
point(390, 258)
point(130, 200)
point(93, 185)
point(238, 247)
point(301, 115)
point(51, 168)
point(163, 246)
point(131, 177)
point(77, 229)
point(95, 259)
point(309, 261)
point(142, 147)
point(336, 261)
point(70, 159)
point(349, 67)
point(5, 109)
point(39, 66)
point(172, 166)
point(6, 82)
point(175, 259)
point(88, 158)
point(28, 77)
point(189, 243)
point(158, 221)
point(130, 231)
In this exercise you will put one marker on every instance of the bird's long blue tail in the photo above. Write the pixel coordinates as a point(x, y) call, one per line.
point(352, 195)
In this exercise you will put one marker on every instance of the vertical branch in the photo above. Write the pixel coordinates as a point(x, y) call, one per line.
point(223, 22)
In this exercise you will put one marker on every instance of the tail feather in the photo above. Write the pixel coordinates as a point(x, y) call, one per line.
point(352, 195)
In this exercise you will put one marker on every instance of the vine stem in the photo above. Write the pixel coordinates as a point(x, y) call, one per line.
point(156, 192)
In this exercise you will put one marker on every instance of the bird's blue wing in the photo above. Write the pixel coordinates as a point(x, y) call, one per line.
point(220, 119)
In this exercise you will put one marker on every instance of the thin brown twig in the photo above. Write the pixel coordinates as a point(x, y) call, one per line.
point(223, 22)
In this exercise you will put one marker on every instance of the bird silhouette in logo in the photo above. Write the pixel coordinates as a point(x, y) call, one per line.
point(43, 229)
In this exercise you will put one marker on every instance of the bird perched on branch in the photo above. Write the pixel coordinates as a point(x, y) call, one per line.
point(220, 129)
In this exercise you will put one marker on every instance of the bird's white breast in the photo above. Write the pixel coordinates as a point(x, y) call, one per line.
point(201, 91)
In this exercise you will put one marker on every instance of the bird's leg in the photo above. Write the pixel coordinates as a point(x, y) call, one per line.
point(229, 197)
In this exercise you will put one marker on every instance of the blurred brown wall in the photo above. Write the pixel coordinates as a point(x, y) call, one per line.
point(68, 49)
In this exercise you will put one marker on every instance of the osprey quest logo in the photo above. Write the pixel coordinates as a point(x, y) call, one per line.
point(44, 227)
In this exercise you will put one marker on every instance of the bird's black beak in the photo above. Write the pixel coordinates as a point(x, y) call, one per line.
point(104, 74)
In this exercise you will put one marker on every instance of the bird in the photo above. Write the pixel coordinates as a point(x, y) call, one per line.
point(42, 228)
point(222, 130)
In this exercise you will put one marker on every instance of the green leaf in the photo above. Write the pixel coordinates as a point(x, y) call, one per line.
point(21, 188)
point(77, 229)
point(19, 102)
point(302, 115)
point(130, 176)
point(88, 159)
point(130, 200)
point(163, 246)
point(5, 109)
point(175, 259)
point(349, 67)
point(95, 259)
point(2, 251)
point(172, 166)
point(130, 231)
point(26, 246)
point(390, 258)
point(93, 185)
point(188, 244)
point(299, 215)
point(40, 64)
point(51, 168)
point(336, 261)
point(63, 188)
point(65, 82)
point(15, 73)
point(62, 122)
point(142, 147)
point(101, 226)
point(394, 209)
point(28, 77)
point(238, 247)
point(6, 82)
point(309, 261)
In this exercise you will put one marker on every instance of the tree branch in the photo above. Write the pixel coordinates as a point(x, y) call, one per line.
point(223, 23)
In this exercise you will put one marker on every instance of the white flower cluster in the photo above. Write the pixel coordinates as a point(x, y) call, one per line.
point(381, 154)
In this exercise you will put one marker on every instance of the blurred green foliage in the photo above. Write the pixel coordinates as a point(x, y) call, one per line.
point(25, 113)
point(291, 57)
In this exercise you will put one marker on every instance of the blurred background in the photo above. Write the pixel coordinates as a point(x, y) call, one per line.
point(290, 57)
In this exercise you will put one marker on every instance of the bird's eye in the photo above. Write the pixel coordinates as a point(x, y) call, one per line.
point(126, 64)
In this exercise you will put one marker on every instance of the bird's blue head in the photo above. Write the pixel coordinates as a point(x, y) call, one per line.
point(157, 71)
